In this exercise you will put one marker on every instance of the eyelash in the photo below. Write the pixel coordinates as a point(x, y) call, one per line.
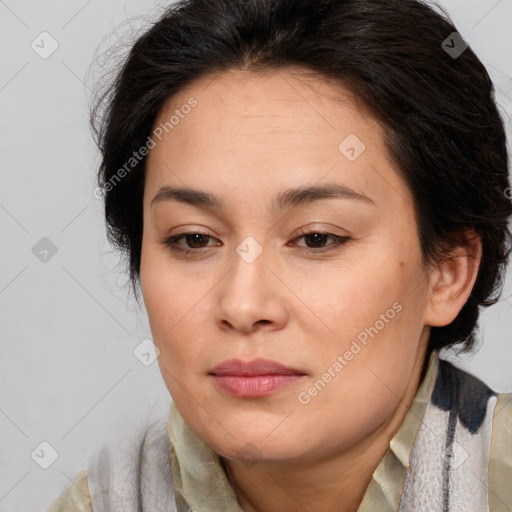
point(339, 240)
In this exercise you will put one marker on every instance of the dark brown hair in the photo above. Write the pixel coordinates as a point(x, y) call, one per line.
point(442, 126)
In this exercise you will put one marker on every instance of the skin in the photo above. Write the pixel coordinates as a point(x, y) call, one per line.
point(250, 137)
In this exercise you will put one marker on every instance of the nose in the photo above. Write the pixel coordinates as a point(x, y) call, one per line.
point(251, 297)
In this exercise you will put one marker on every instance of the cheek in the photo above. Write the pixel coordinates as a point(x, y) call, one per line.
point(169, 315)
point(164, 294)
point(355, 298)
point(161, 299)
point(373, 311)
point(174, 311)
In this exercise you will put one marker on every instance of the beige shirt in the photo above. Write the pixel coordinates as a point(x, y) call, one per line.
point(200, 482)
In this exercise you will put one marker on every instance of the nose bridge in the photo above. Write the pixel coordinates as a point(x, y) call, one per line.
point(249, 273)
point(248, 294)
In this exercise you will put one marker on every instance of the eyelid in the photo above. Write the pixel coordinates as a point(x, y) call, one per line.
point(318, 229)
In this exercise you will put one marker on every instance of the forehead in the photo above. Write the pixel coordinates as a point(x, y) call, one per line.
point(270, 100)
point(262, 131)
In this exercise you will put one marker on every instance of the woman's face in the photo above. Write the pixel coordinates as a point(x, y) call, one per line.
point(266, 162)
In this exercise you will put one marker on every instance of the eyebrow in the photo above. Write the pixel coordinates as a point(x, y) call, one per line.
point(289, 198)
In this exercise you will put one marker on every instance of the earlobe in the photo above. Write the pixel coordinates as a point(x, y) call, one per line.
point(452, 281)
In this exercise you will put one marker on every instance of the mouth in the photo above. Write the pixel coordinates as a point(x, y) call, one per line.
point(255, 378)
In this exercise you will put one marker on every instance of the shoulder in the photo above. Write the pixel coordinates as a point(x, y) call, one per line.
point(463, 394)
point(130, 472)
point(75, 498)
point(471, 399)
point(486, 417)
point(133, 472)
point(503, 413)
point(502, 418)
point(500, 456)
point(464, 441)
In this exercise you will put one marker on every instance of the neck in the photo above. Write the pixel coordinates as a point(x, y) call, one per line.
point(336, 483)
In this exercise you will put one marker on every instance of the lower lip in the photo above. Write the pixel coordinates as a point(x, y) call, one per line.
point(258, 385)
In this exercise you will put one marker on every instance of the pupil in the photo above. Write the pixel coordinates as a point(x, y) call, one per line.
point(193, 239)
point(317, 240)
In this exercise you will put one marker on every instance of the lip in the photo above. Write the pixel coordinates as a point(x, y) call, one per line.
point(254, 378)
point(254, 367)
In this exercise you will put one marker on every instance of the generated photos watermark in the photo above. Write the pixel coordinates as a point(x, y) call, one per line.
point(305, 397)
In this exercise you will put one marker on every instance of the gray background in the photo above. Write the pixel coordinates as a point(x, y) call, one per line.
point(68, 374)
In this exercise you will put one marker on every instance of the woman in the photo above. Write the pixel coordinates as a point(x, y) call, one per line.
point(312, 196)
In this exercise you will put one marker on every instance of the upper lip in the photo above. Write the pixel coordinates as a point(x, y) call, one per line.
point(253, 367)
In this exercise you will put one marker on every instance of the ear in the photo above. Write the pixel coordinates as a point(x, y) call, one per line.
point(451, 282)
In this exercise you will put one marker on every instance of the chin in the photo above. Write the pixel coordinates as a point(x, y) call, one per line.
point(255, 446)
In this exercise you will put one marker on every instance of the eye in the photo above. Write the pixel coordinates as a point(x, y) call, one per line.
point(317, 239)
point(196, 240)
